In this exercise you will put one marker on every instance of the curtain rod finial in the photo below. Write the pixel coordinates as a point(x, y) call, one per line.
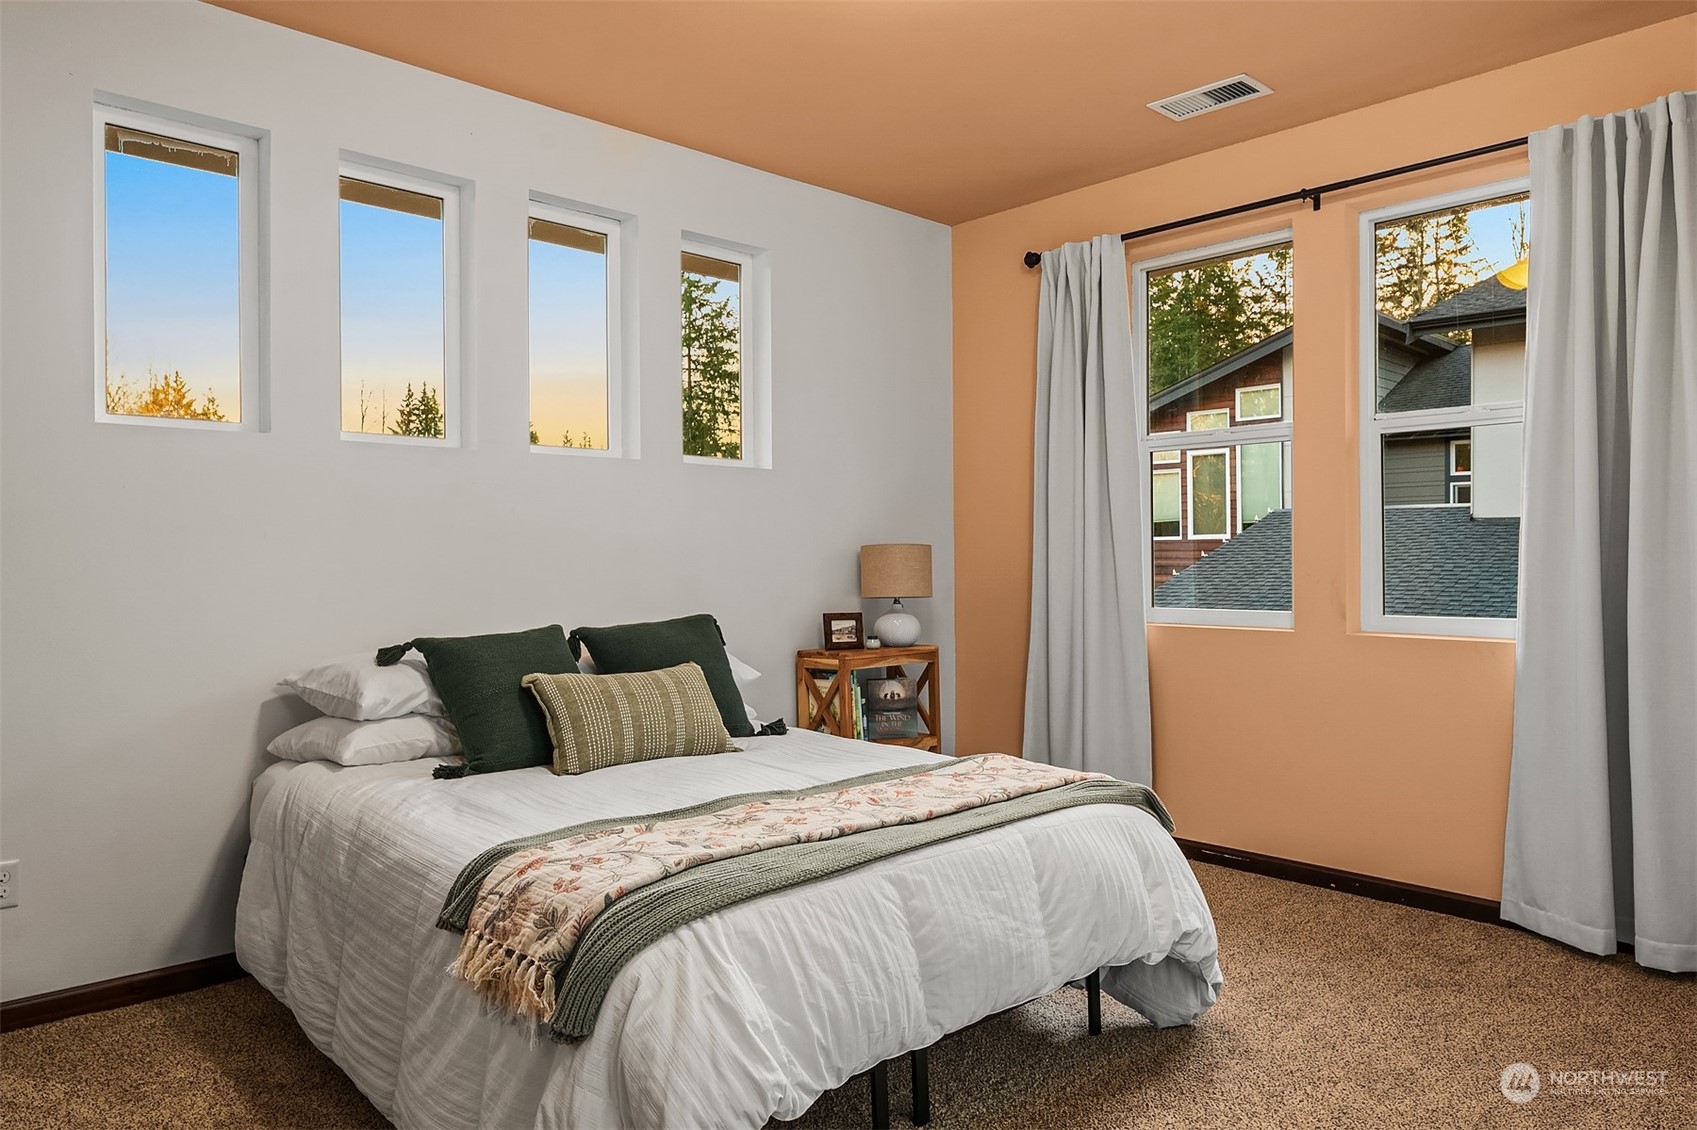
point(1032, 258)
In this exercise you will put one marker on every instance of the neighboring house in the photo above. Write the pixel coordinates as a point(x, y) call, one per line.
point(1451, 497)
point(1202, 497)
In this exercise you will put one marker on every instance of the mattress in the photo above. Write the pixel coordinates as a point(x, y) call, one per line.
point(747, 1014)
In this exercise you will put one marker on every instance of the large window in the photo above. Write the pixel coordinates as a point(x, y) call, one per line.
point(714, 307)
point(574, 335)
point(177, 282)
point(1215, 369)
point(1443, 380)
point(400, 326)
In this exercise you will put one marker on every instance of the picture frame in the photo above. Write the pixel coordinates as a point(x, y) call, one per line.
point(844, 631)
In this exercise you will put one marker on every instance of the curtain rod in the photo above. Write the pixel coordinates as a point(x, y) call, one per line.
point(1032, 258)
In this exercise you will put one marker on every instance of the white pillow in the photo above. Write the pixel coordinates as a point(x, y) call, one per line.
point(355, 687)
point(347, 742)
point(744, 675)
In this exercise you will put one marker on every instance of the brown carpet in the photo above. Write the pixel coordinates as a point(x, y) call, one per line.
point(1338, 1011)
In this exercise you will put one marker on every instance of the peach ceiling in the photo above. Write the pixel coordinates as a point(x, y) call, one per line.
point(954, 109)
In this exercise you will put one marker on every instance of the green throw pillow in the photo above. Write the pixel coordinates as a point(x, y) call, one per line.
point(481, 681)
point(625, 648)
point(601, 720)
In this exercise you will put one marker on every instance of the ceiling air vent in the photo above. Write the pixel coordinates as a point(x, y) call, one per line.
point(1239, 88)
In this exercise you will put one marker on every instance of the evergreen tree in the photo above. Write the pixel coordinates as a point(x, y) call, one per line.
point(1425, 259)
point(1200, 315)
point(534, 438)
point(712, 371)
point(420, 414)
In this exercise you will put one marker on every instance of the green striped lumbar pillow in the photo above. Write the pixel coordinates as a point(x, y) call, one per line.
point(601, 720)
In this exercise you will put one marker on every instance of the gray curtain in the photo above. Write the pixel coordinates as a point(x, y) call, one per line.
point(1087, 678)
point(1602, 822)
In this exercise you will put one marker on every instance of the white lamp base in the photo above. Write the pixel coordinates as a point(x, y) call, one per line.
point(896, 628)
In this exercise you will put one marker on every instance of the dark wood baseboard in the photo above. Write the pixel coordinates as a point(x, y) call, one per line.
point(1350, 882)
point(119, 991)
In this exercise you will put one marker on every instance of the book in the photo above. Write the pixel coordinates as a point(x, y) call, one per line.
point(892, 724)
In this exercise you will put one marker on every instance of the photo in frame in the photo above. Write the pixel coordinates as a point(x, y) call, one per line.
point(844, 631)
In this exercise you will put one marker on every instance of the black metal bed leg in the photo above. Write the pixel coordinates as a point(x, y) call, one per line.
point(921, 1086)
point(1093, 990)
point(881, 1096)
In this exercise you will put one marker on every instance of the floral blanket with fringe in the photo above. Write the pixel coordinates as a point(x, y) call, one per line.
point(525, 905)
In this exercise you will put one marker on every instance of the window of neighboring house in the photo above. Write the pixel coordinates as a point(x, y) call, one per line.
point(714, 363)
point(1214, 334)
point(400, 306)
point(1259, 402)
point(574, 335)
point(1210, 493)
point(1164, 504)
point(177, 302)
point(1443, 371)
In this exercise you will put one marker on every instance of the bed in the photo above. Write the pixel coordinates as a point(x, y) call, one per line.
point(748, 1014)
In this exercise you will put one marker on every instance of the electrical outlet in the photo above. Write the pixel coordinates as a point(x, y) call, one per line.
point(8, 883)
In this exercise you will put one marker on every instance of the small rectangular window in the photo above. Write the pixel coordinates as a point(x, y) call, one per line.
point(574, 339)
point(1259, 402)
point(1210, 494)
point(178, 278)
point(1444, 363)
point(399, 278)
point(712, 355)
point(1260, 481)
point(1164, 504)
point(1215, 356)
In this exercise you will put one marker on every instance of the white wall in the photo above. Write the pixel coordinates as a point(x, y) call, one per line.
point(156, 582)
point(1499, 374)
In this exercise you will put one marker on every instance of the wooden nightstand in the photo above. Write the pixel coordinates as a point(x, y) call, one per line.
point(812, 706)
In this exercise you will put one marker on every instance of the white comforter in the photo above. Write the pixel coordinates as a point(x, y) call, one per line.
point(751, 1012)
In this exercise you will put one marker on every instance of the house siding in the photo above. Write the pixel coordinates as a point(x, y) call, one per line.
point(1171, 556)
point(1416, 471)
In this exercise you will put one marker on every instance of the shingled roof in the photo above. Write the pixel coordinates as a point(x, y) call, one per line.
point(1443, 381)
point(1442, 561)
point(1439, 561)
point(1251, 570)
point(1485, 303)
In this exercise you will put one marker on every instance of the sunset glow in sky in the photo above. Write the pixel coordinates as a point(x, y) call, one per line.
point(173, 291)
point(568, 344)
point(392, 304)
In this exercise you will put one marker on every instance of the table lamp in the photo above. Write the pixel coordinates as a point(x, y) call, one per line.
point(895, 571)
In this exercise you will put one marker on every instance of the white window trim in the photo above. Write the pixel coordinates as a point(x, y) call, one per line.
point(1177, 471)
point(753, 305)
point(1190, 419)
point(616, 398)
point(1243, 417)
point(1452, 462)
point(1151, 442)
point(1190, 458)
point(448, 192)
point(1376, 426)
point(1279, 466)
point(1457, 486)
point(255, 415)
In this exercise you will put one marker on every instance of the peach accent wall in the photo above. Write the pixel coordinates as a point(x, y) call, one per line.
point(1382, 754)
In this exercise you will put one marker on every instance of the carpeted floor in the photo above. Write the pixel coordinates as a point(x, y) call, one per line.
point(1338, 1011)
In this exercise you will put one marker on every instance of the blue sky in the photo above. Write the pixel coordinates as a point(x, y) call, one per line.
point(392, 298)
point(173, 288)
point(568, 343)
point(1491, 231)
